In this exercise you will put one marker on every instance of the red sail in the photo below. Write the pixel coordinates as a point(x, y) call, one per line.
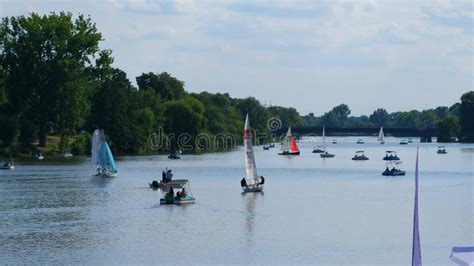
point(294, 147)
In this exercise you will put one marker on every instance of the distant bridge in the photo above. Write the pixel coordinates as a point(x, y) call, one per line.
point(425, 134)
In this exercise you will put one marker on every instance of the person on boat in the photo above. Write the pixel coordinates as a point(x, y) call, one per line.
point(243, 183)
point(393, 170)
point(181, 194)
point(169, 175)
point(163, 177)
point(262, 180)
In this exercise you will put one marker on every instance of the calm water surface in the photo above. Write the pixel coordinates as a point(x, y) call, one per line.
point(333, 211)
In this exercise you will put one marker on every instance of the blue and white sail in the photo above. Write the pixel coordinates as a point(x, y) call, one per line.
point(102, 156)
point(416, 250)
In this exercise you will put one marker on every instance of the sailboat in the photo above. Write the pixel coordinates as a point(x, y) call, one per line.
point(102, 156)
point(289, 146)
point(381, 137)
point(416, 250)
point(325, 154)
point(252, 182)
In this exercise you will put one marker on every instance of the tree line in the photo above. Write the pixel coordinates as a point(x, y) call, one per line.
point(56, 80)
point(453, 123)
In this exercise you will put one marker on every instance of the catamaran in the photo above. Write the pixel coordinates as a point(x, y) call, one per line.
point(381, 137)
point(325, 154)
point(289, 146)
point(102, 156)
point(252, 182)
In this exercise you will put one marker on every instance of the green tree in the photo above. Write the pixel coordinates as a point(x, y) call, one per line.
point(467, 117)
point(165, 85)
point(184, 117)
point(44, 57)
point(342, 112)
point(379, 117)
point(259, 115)
point(289, 116)
point(28, 132)
point(448, 129)
point(9, 130)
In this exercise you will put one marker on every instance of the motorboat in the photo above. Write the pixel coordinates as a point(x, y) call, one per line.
point(266, 148)
point(360, 156)
point(410, 140)
point(174, 156)
point(403, 142)
point(102, 157)
point(334, 141)
point(393, 169)
point(289, 146)
point(251, 182)
point(8, 165)
point(181, 197)
point(391, 156)
point(318, 150)
point(360, 141)
point(441, 150)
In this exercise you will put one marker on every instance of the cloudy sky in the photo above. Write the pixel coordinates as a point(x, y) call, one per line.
point(311, 55)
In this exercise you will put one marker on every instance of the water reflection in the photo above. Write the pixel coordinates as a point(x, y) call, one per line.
point(250, 202)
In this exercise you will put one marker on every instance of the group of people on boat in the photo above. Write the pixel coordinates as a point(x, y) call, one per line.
point(393, 171)
point(243, 182)
point(102, 171)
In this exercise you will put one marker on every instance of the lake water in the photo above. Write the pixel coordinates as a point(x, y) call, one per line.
point(325, 212)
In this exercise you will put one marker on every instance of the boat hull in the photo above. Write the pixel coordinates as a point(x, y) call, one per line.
point(289, 153)
point(253, 189)
point(327, 155)
point(7, 167)
point(399, 173)
point(187, 200)
point(360, 159)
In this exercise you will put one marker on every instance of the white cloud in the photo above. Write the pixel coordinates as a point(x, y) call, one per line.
point(353, 50)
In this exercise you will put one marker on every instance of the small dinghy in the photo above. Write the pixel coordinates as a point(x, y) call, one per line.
point(325, 154)
point(184, 196)
point(102, 156)
point(252, 182)
point(360, 156)
point(289, 146)
point(403, 142)
point(381, 137)
point(441, 150)
point(393, 169)
point(360, 141)
point(334, 141)
point(266, 148)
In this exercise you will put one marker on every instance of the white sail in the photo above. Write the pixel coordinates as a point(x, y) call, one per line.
point(250, 167)
point(381, 137)
point(96, 146)
point(286, 142)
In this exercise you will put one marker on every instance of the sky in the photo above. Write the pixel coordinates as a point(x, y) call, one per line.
point(307, 54)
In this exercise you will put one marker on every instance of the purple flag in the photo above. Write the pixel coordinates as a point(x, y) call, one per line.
point(416, 251)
